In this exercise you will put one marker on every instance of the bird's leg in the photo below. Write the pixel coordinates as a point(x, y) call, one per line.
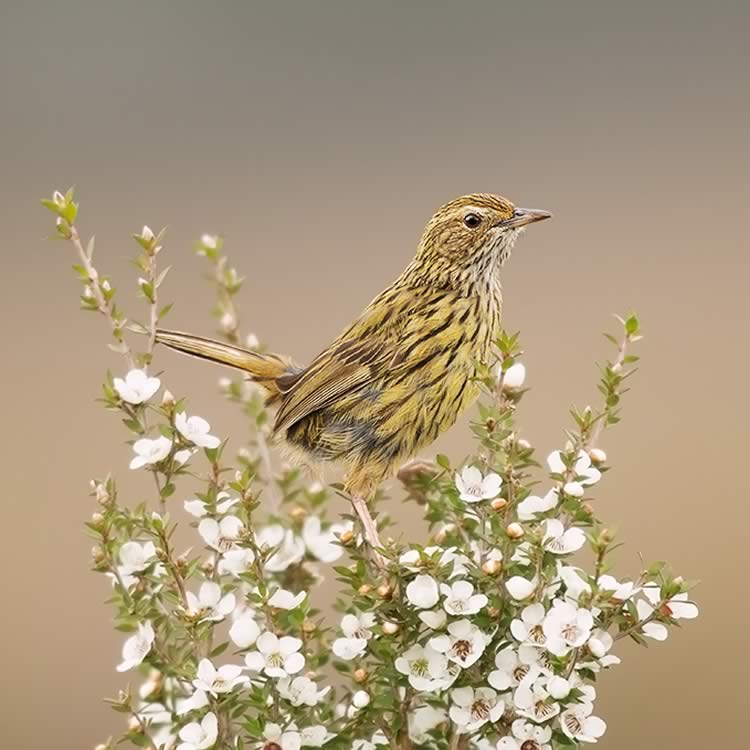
point(369, 529)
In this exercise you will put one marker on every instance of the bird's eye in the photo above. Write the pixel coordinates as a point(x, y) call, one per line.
point(472, 220)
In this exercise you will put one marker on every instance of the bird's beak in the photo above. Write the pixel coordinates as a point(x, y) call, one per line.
point(523, 216)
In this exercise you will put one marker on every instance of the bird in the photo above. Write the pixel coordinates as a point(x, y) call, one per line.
point(404, 370)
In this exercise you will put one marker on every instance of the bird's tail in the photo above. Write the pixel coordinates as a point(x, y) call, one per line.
point(264, 369)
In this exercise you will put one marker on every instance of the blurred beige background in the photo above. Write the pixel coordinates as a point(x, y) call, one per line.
point(318, 138)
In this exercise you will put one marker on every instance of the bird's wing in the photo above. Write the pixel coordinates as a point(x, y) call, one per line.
point(388, 331)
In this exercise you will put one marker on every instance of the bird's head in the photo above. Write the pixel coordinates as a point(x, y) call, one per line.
point(475, 231)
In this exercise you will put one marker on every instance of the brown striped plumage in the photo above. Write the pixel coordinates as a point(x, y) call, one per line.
point(402, 372)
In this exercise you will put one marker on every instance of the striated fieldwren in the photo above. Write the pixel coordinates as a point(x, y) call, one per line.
point(403, 371)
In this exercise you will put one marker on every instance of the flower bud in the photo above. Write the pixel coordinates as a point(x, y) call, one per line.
point(308, 626)
point(360, 699)
point(587, 509)
point(514, 530)
point(597, 455)
point(168, 400)
point(491, 567)
point(574, 489)
point(346, 537)
point(498, 503)
point(385, 591)
point(364, 589)
point(134, 725)
point(97, 519)
point(97, 555)
point(297, 513)
point(493, 612)
point(514, 377)
point(147, 234)
point(210, 241)
point(102, 496)
point(251, 341)
point(443, 531)
point(208, 567)
point(59, 199)
point(523, 445)
point(225, 383)
point(490, 424)
point(360, 675)
point(390, 628)
point(228, 322)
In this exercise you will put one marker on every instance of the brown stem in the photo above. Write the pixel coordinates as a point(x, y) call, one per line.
point(369, 529)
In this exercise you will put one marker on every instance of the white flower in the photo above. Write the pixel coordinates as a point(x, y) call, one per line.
point(463, 644)
point(150, 451)
point(195, 431)
point(414, 560)
point(377, 739)
point(471, 709)
point(422, 720)
point(566, 627)
point(289, 739)
point(244, 631)
point(678, 607)
point(513, 666)
point(426, 669)
point(197, 700)
point(472, 487)
point(291, 549)
point(221, 535)
point(433, 618)
point(137, 387)
point(301, 691)
point(197, 508)
point(277, 657)
point(324, 544)
point(526, 736)
point(236, 561)
point(619, 591)
point(574, 580)
point(578, 723)
point(182, 456)
point(422, 592)
point(532, 699)
point(201, 736)
point(460, 598)
point(221, 680)
point(135, 558)
point(521, 588)
point(209, 603)
point(529, 628)
point(315, 736)
point(355, 628)
point(136, 647)
point(209, 241)
point(583, 470)
point(655, 630)
point(600, 643)
point(533, 505)
point(283, 599)
point(560, 541)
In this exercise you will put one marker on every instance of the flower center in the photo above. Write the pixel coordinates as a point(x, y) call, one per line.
point(573, 724)
point(543, 711)
point(570, 632)
point(462, 649)
point(458, 605)
point(520, 672)
point(275, 660)
point(536, 634)
point(218, 683)
point(475, 490)
point(530, 745)
point(419, 667)
point(480, 709)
